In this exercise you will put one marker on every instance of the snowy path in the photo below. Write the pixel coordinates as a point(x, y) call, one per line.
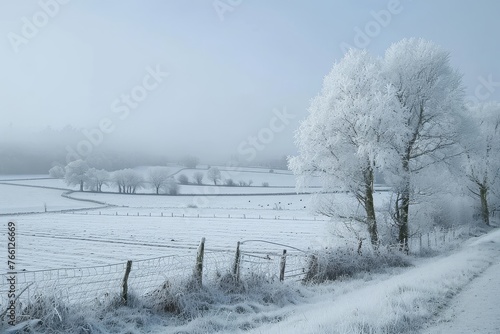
point(412, 299)
point(475, 309)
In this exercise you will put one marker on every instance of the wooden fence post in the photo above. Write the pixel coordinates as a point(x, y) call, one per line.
point(125, 282)
point(313, 269)
point(282, 266)
point(198, 269)
point(236, 264)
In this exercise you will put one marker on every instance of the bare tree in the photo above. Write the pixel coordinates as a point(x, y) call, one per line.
point(158, 177)
point(214, 175)
point(198, 177)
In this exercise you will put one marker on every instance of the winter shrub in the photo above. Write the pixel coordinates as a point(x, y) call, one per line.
point(183, 179)
point(339, 263)
point(229, 182)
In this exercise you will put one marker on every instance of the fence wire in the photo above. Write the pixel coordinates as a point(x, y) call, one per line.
point(101, 285)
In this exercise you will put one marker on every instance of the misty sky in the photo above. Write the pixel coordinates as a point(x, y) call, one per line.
point(231, 64)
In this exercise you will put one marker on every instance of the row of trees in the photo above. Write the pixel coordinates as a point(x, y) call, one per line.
point(128, 181)
point(403, 116)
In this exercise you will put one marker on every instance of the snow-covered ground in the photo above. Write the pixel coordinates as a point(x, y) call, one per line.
point(475, 307)
point(279, 181)
point(16, 199)
point(411, 300)
point(435, 296)
point(79, 240)
point(278, 178)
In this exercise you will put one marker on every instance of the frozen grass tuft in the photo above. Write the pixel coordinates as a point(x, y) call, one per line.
point(334, 264)
point(221, 304)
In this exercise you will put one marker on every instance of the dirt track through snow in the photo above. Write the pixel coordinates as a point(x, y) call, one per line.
point(475, 309)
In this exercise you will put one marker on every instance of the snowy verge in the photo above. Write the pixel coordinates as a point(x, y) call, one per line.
point(400, 304)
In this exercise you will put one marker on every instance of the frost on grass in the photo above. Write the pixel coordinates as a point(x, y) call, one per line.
point(330, 265)
point(177, 305)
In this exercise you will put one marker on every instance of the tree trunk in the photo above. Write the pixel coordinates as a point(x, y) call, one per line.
point(81, 185)
point(370, 209)
point(485, 212)
point(403, 223)
point(404, 208)
point(157, 190)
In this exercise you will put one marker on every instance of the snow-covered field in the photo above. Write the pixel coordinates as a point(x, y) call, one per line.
point(278, 182)
point(15, 199)
point(407, 302)
point(135, 227)
point(145, 225)
point(79, 240)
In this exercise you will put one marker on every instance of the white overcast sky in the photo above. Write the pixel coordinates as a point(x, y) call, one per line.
point(226, 76)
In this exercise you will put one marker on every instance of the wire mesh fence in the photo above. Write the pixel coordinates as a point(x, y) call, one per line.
point(101, 285)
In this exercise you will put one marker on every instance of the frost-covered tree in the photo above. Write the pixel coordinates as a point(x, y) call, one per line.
point(345, 133)
point(118, 177)
point(157, 177)
point(198, 177)
point(128, 180)
point(214, 175)
point(482, 156)
point(57, 172)
point(431, 97)
point(171, 187)
point(96, 178)
point(76, 173)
